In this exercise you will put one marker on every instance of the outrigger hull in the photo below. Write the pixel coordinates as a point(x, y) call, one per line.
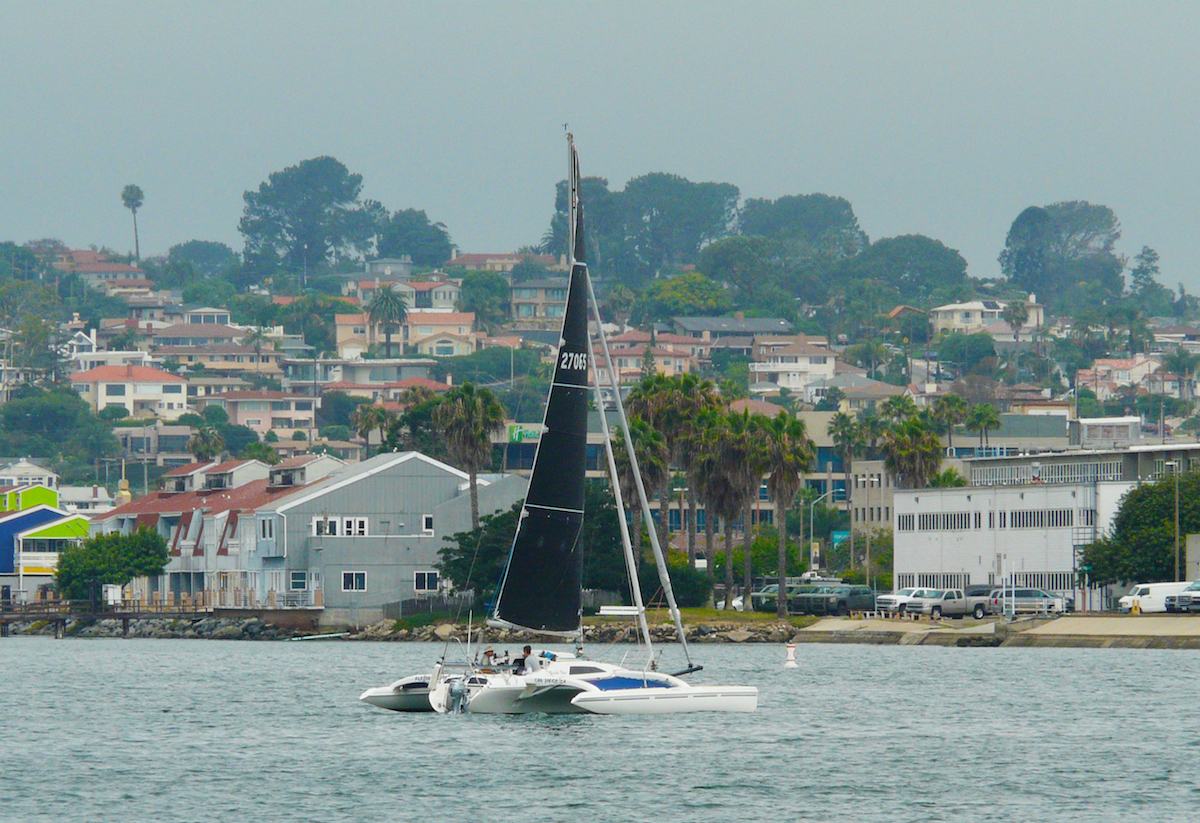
point(679, 700)
point(409, 694)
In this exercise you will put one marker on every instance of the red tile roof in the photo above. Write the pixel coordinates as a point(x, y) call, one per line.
point(443, 318)
point(264, 394)
point(246, 497)
point(185, 469)
point(425, 382)
point(125, 374)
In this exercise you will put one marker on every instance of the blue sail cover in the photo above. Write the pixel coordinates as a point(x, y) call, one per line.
point(541, 584)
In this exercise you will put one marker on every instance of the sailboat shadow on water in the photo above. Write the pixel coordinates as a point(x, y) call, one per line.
point(541, 586)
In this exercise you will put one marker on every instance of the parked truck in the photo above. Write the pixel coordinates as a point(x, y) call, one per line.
point(948, 603)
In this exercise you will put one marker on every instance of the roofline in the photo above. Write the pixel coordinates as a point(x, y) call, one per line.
point(401, 457)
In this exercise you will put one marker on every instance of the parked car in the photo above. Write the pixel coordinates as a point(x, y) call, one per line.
point(765, 599)
point(836, 600)
point(1150, 597)
point(949, 603)
point(1187, 600)
point(896, 602)
point(1026, 600)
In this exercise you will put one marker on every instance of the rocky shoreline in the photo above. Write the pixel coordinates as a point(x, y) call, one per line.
point(255, 628)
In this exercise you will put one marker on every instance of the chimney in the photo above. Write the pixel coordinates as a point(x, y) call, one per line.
point(95, 492)
point(453, 253)
point(449, 379)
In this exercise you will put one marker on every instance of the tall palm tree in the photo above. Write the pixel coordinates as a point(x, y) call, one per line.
point(654, 400)
point(255, 338)
point(387, 309)
point(703, 477)
point(369, 417)
point(898, 408)
point(133, 198)
point(789, 455)
point(692, 398)
point(982, 418)
point(205, 444)
point(1015, 314)
point(747, 442)
point(468, 418)
point(848, 440)
point(650, 448)
point(912, 454)
point(950, 410)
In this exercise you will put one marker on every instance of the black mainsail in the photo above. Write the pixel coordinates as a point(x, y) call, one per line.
point(541, 583)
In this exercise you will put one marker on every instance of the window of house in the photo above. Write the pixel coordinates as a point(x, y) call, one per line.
point(325, 526)
point(115, 389)
point(173, 388)
point(266, 529)
point(427, 523)
point(354, 527)
point(444, 350)
point(425, 581)
point(298, 581)
point(354, 581)
point(303, 405)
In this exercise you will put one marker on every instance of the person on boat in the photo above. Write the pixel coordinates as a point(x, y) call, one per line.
point(489, 657)
point(526, 660)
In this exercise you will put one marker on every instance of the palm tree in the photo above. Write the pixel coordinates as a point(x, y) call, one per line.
point(692, 398)
point(205, 444)
point(982, 418)
point(950, 410)
point(1182, 364)
point(1015, 314)
point(369, 417)
point(898, 408)
point(133, 198)
point(848, 440)
point(388, 309)
point(650, 448)
point(789, 456)
point(256, 338)
point(468, 418)
point(912, 454)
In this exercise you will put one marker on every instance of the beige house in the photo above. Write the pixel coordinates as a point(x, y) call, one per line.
point(779, 364)
point(225, 359)
point(143, 390)
point(265, 411)
point(977, 315)
point(356, 334)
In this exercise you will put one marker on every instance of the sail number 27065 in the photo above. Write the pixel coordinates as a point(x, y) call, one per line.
point(573, 360)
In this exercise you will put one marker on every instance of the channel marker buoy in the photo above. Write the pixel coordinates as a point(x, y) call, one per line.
point(790, 662)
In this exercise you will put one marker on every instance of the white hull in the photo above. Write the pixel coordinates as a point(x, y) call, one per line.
point(567, 685)
point(410, 694)
point(677, 700)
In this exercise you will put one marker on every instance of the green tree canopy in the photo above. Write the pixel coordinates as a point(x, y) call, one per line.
point(915, 265)
point(109, 558)
point(808, 225)
point(207, 258)
point(1141, 546)
point(746, 263)
point(684, 295)
point(411, 232)
point(308, 214)
point(487, 294)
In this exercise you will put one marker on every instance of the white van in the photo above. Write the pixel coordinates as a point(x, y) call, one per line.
point(1150, 597)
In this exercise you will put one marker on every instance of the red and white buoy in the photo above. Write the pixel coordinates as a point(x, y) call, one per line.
point(790, 662)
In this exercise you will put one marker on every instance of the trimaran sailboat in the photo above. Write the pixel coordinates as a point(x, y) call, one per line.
point(540, 589)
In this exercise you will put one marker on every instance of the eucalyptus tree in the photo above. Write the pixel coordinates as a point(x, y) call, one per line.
point(789, 454)
point(650, 448)
point(388, 309)
point(468, 417)
point(132, 198)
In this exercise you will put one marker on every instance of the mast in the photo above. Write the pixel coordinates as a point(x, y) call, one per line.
point(540, 589)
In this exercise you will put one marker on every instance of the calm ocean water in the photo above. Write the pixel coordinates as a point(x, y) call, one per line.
point(164, 730)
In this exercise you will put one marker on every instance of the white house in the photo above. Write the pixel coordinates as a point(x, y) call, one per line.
point(143, 390)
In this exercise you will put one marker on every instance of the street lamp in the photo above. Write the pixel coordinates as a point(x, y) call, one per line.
point(1174, 466)
point(812, 531)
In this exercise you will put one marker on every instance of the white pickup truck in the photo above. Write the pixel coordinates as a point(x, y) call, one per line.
point(897, 601)
point(948, 603)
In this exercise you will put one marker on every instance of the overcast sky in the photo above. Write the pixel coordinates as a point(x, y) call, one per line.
point(945, 119)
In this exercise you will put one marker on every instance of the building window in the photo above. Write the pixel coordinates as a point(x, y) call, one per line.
point(266, 529)
point(354, 581)
point(172, 388)
point(425, 581)
point(355, 527)
point(322, 526)
point(115, 390)
point(427, 523)
point(299, 581)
